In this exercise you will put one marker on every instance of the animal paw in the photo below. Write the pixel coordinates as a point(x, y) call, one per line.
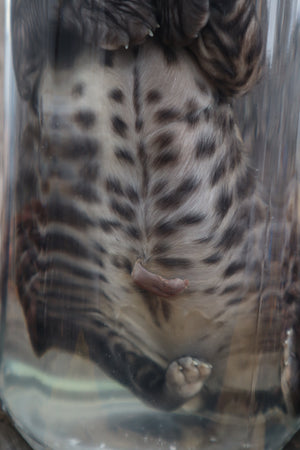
point(111, 24)
point(186, 376)
point(181, 20)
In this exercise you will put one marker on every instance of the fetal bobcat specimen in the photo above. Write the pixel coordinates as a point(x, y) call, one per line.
point(139, 220)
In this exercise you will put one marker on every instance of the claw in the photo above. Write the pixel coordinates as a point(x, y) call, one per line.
point(150, 33)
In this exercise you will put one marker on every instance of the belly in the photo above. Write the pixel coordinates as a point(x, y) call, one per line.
point(135, 158)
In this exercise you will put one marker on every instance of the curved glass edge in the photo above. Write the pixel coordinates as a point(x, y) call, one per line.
point(7, 167)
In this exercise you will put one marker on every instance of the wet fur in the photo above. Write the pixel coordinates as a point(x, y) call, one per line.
point(137, 157)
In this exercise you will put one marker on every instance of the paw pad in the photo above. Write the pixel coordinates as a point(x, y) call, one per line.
point(185, 376)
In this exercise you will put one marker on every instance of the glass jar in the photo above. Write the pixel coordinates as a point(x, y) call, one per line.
point(149, 258)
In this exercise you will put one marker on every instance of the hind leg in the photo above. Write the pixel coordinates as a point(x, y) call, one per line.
point(59, 310)
point(163, 388)
point(49, 326)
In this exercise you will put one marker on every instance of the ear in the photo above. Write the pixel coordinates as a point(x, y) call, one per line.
point(181, 20)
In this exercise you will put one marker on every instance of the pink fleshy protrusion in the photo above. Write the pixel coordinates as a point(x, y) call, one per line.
point(156, 284)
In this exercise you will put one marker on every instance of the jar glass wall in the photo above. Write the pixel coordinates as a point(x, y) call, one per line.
point(149, 259)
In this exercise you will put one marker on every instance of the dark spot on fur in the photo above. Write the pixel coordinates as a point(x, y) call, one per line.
point(137, 96)
point(232, 236)
point(113, 185)
point(231, 288)
point(223, 203)
point(102, 277)
point(167, 115)
point(193, 113)
point(85, 119)
point(58, 287)
point(132, 194)
point(213, 259)
point(139, 123)
point(60, 263)
point(191, 219)
point(193, 117)
point(210, 290)
point(57, 240)
point(125, 211)
point(160, 248)
point(158, 187)
point(86, 192)
point(165, 158)
point(99, 248)
point(218, 172)
point(206, 147)
point(153, 96)
point(124, 155)
point(203, 240)
point(233, 268)
point(164, 139)
point(121, 262)
point(234, 301)
point(65, 212)
point(164, 228)
point(78, 147)
point(179, 263)
point(133, 232)
point(116, 95)
point(109, 226)
point(207, 114)
point(78, 90)
point(119, 126)
point(178, 195)
point(144, 163)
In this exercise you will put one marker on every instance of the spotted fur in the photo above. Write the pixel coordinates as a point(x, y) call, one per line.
point(134, 155)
